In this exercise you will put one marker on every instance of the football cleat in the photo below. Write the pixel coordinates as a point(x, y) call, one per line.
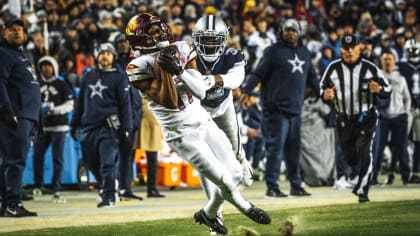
point(215, 224)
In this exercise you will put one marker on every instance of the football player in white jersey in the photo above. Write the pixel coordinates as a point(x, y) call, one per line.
point(224, 70)
point(187, 126)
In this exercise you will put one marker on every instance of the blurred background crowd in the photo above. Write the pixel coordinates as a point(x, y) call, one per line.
point(71, 30)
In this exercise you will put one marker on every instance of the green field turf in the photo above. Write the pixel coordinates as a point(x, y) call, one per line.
point(374, 218)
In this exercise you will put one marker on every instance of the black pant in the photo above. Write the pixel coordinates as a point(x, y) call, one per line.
point(356, 138)
point(56, 139)
point(152, 165)
point(14, 146)
point(125, 165)
point(100, 154)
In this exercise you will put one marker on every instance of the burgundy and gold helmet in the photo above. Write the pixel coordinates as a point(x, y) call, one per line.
point(137, 35)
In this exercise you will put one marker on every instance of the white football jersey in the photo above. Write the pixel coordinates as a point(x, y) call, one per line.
point(189, 113)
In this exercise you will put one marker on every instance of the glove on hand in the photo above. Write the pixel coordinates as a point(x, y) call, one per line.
point(169, 61)
point(9, 118)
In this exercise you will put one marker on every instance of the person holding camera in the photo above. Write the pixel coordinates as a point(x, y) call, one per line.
point(353, 85)
point(103, 115)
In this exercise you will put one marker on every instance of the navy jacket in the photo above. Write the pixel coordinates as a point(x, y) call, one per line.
point(19, 88)
point(284, 73)
point(103, 93)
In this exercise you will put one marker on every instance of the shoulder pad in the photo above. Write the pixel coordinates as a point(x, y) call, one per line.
point(140, 68)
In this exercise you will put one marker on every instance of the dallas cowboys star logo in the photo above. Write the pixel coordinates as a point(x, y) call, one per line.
point(97, 89)
point(297, 64)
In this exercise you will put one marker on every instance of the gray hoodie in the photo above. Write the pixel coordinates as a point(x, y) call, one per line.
point(400, 102)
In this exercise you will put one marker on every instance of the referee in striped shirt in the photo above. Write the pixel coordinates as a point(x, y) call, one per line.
point(352, 85)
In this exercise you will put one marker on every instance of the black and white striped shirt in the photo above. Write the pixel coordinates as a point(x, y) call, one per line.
point(351, 82)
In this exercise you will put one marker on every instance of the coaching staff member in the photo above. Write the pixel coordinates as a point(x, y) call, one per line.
point(20, 103)
point(352, 84)
point(103, 113)
point(284, 72)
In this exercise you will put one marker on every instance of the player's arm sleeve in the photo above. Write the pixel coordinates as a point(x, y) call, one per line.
point(194, 82)
point(235, 76)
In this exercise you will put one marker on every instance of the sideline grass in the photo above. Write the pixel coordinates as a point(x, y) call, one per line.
point(370, 219)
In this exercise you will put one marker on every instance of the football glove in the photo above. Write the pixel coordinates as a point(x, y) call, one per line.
point(169, 61)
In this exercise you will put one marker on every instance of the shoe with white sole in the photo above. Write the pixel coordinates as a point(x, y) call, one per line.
point(18, 211)
point(342, 183)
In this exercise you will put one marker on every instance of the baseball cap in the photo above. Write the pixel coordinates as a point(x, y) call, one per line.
point(13, 21)
point(291, 23)
point(349, 40)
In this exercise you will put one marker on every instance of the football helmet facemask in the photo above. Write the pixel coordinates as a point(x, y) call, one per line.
point(209, 37)
point(412, 50)
point(137, 32)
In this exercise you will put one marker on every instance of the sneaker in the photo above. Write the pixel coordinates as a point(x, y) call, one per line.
point(37, 192)
point(42, 191)
point(363, 198)
point(415, 179)
point(390, 179)
point(104, 204)
point(154, 193)
point(274, 193)
point(342, 183)
point(299, 192)
point(354, 181)
point(248, 173)
point(18, 211)
point(126, 196)
point(58, 199)
point(405, 180)
point(258, 215)
point(214, 224)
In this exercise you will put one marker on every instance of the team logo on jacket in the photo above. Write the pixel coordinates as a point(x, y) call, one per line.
point(297, 64)
point(97, 89)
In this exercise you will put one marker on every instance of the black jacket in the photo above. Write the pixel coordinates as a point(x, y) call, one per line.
point(19, 89)
point(284, 72)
